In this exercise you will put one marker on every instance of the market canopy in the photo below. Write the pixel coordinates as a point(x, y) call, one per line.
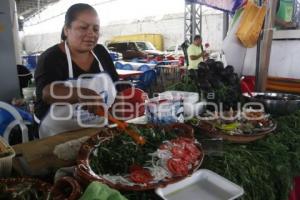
point(28, 8)
point(224, 5)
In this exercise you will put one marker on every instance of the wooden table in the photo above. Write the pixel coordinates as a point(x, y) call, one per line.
point(123, 74)
point(39, 153)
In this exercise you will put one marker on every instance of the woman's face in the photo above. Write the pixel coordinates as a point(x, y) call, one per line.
point(83, 33)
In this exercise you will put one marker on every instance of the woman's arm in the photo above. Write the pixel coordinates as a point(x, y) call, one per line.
point(54, 93)
point(58, 92)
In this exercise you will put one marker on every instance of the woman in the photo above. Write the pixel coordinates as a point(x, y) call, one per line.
point(78, 54)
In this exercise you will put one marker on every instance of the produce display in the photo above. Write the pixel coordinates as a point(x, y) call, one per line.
point(23, 190)
point(247, 123)
point(264, 168)
point(166, 155)
point(214, 82)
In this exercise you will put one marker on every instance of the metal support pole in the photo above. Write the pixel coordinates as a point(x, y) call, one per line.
point(200, 21)
point(225, 24)
point(257, 55)
point(192, 20)
point(17, 41)
point(187, 19)
point(9, 83)
point(266, 46)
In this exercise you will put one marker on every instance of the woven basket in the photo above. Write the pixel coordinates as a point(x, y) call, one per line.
point(7, 153)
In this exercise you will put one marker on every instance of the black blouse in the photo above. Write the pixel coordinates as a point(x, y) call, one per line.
point(53, 66)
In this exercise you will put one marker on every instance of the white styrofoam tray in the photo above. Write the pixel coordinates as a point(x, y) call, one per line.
point(190, 101)
point(202, 185)
point(188, 97)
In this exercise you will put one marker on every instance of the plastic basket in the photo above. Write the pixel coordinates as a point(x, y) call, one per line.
point(6, 161)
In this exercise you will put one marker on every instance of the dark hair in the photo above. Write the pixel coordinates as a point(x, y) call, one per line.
point(72, 13)
point(197, 37)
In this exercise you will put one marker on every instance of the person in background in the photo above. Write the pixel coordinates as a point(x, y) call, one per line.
point(77, 54)
point(196, 54)
point(184, 47)
point(24, 76)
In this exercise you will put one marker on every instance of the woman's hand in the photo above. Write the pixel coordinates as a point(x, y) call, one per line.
point(93, 102)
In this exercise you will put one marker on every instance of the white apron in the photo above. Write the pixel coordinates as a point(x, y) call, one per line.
point(67, 117)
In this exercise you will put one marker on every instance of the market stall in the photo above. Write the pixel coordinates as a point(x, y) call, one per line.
point(264, 168)
point(207, 135)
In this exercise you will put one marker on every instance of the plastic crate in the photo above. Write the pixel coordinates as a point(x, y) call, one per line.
point(190, 101)
point(188, 97)
point(165, 111)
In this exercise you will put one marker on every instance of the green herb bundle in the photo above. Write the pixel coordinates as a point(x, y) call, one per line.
point(116, 156)
point(186, 84)
point(266, 168)
point(22, 191)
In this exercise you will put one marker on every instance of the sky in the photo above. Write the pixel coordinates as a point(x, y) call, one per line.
point(52, 18)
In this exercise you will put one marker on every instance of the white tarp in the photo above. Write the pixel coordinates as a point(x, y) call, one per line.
point(225, 5)
point(284, 59)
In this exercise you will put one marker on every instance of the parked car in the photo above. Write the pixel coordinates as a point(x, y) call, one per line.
point(138, 49)
point(115, 55)
point(175, 50)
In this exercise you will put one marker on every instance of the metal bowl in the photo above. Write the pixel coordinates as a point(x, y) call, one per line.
point(276, 103)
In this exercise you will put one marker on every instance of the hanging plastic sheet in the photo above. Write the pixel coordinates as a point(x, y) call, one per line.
point(234, 51)
point(224, 5)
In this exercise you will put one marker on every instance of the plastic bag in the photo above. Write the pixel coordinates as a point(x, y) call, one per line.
point(234, 51)
point(251, 24)
point(99, 191)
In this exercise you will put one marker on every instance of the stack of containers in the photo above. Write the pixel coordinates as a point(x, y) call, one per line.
point(173, 107)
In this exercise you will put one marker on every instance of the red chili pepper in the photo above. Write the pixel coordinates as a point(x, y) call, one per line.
point(124, 126)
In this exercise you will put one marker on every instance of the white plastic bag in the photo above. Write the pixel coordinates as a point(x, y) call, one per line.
point(234, 51)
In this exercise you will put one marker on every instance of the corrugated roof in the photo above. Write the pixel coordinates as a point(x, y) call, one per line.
point(29, 8)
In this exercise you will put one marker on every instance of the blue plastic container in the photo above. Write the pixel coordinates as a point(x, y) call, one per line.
point(166, 111)
point(30, 61)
